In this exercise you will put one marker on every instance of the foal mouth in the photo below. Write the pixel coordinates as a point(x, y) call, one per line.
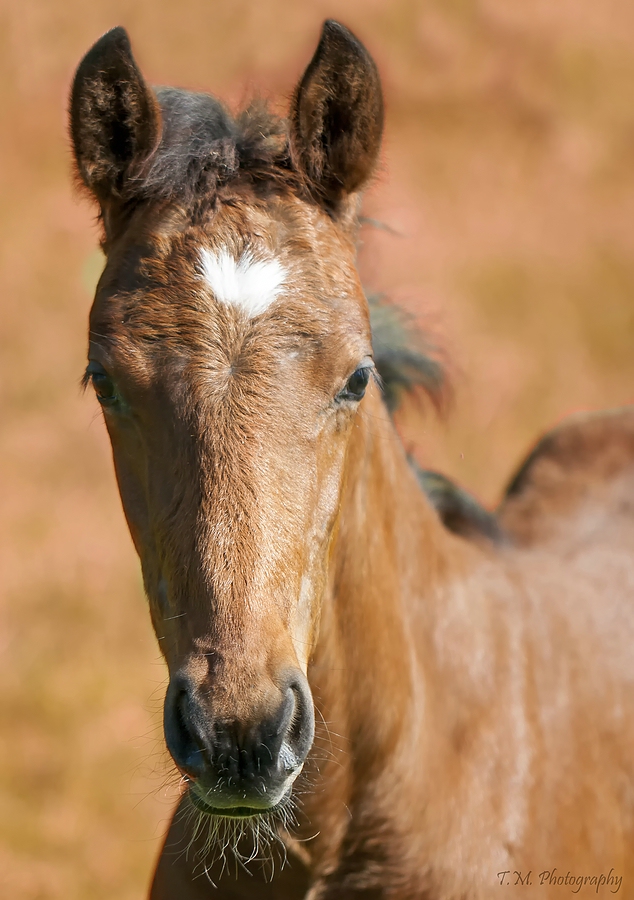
point(236, 812)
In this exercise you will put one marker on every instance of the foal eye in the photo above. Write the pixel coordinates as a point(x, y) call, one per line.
point(102, 383)
point(356, 385)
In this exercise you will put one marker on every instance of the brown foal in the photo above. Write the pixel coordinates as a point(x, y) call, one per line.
point(474, 732)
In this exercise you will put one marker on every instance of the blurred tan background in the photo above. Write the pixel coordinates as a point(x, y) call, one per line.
point(508, 183)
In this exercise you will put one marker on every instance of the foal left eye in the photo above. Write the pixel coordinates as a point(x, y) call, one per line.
point(356, 385)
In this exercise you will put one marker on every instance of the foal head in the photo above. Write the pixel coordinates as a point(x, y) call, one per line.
point(230, 350)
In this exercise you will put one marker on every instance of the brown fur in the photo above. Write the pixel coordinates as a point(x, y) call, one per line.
point(474, 699)
point(584, 463)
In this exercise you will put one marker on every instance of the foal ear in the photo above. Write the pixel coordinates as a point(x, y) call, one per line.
point(114, 118)
point(336, 118)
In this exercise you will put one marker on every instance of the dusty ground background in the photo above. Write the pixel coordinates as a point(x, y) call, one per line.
point(508, 178)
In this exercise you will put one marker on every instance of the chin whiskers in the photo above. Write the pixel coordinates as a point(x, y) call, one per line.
point(218, 844)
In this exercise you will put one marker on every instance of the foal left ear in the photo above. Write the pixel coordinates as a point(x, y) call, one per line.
point(336, 119)
point(115, 121)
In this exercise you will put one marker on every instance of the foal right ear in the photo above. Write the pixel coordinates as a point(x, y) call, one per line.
point(115, 121)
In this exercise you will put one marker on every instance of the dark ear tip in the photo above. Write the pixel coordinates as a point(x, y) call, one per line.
point(332, 26)
point(340, 38)
point(116, 37)
point(114, 43)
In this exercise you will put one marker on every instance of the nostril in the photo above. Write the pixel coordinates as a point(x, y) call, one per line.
point(286, 733)
point(287, 758)
point(181, 734)
point(300, 730)
point(295, 724)
point(181, 717)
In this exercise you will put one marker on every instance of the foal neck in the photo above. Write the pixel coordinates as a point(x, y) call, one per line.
point(388, 559)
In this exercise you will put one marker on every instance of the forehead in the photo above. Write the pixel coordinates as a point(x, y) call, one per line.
point(282, 268)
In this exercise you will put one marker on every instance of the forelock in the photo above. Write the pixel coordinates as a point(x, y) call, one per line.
point(204, 149)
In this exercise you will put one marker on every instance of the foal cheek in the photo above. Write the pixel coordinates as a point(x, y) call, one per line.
point(305, 619)
point(133, 498)
point(327, 496)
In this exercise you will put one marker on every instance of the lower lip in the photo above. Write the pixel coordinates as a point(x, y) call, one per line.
point(230, 812)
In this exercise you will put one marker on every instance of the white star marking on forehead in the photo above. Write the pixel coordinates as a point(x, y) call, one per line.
point(250, 284)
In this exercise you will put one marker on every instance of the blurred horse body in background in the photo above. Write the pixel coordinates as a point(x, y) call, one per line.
point(474, 695)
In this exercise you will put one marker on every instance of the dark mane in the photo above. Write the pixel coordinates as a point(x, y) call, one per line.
point(406, 358)
point(203, 148)
point(408, 362)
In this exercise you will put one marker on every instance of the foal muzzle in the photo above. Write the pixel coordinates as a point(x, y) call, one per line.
point(239, 767)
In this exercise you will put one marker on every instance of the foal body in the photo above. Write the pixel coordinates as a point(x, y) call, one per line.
point(474, 697)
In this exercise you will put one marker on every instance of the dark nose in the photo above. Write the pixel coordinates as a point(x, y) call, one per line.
point(238, 763)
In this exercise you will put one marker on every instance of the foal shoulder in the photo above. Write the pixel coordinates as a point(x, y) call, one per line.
point(586, 462)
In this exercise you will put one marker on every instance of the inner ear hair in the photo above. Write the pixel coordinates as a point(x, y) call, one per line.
point(336, 118)
point(115, 120)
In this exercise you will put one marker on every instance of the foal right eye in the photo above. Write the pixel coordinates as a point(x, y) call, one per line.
point(102, 384)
